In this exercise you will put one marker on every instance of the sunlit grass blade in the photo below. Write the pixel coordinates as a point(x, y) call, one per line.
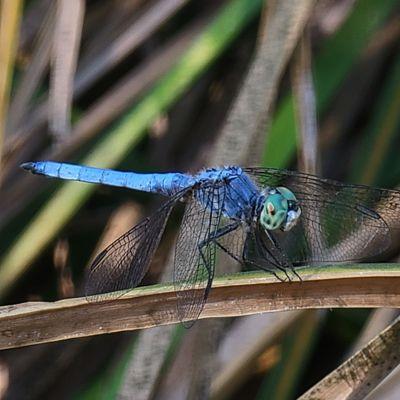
point(10, 16)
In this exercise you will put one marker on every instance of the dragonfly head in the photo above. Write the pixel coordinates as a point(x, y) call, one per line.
point(280, 209)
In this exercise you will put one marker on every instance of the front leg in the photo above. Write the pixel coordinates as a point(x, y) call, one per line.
point(258, 252)
point(219, 233)
point(259, 265)
point(283, 255)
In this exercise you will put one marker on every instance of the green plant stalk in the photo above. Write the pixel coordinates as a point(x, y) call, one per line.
point(119, 141)
point(331, 66)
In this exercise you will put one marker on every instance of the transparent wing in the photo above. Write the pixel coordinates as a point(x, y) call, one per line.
point(339, 222)
point(123, 264)
point(195, 251)
point(232, 239)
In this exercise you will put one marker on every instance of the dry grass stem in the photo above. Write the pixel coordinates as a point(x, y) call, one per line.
point(364, 285)
point(356, 377)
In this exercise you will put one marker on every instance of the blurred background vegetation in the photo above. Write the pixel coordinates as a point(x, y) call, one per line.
point(147, 86)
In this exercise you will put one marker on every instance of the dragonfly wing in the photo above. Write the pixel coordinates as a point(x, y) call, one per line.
point(339, 222)
point(123, 264)
point(232, 239)
point(196, 251)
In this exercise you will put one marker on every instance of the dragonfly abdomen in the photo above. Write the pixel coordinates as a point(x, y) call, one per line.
point(166, 184)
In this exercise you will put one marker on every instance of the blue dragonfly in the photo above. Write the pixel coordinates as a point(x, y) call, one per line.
point(271, 219)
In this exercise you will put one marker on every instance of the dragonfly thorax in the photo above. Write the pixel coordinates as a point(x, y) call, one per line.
point(280, 209)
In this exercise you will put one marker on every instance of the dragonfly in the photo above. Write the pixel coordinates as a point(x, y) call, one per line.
point(271, 219)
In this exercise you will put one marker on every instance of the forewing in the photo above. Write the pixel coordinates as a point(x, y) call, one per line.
point(195, 251)
point(123, 264)
point(339, 222)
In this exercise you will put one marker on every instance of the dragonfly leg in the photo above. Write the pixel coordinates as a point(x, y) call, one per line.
point(280, 261)
point(212, 238)
point(293, 269)
point(266, 269)
point(259, 263)
point(207, 266)
point(229, 253)
point(288, 263)
point(222, 232)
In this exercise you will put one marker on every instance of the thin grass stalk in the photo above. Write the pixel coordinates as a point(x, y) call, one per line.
point(252, 108)
point(377, 321)
point(305, 107)
point(349, 102)
point(147, 24)
point(95, 67)
point(382, 130)
point(34, 73)
point(294, 348)
point(10, 17)
point(67, 40)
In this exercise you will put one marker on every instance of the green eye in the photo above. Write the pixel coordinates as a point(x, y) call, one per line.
point(274, 213)
point(286, 193)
